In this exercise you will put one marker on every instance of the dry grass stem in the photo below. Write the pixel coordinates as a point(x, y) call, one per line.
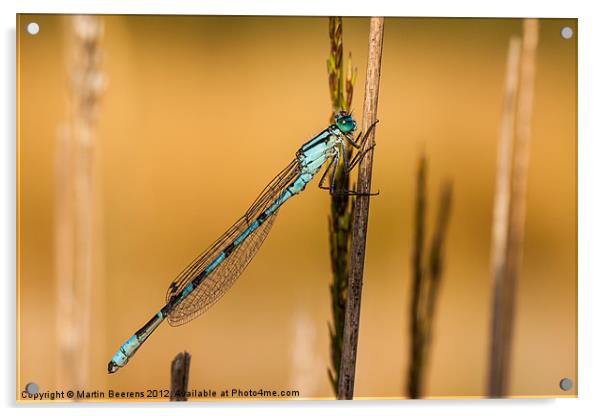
point(75, 214)
point(360, 216)
point(506, 263)
point(501, 208)
point(426, 278)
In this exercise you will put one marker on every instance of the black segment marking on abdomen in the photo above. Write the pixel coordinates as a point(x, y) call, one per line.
point(228, 250)
point(261, 218)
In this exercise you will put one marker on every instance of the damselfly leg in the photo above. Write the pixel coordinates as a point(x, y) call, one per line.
point(361, 139)
point(348, 166)
point(358, 158)
point(332, 168)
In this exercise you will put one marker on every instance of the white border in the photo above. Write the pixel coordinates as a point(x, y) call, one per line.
point(590, 201)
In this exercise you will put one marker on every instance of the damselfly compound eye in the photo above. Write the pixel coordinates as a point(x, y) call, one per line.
point(345, 122)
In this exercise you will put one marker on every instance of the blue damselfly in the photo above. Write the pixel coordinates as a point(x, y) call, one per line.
point(212, 273)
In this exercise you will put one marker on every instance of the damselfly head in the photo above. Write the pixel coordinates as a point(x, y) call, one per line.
point(345, 122)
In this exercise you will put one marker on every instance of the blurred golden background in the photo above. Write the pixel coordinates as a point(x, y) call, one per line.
point(196, 116)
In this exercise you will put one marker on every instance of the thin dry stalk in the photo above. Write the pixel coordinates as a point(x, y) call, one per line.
point(416, 332)
point(435, 268)
point(180, 369)
point(75, 204)
point(426, 280)
point(500, 210)
point(505, 287)
point(360, 216)
point(341, 207)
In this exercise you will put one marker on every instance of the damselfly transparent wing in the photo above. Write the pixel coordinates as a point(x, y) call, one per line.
point(220, 280)
point(217, 283)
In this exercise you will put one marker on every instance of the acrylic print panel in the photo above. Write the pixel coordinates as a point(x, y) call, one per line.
point(142, 139)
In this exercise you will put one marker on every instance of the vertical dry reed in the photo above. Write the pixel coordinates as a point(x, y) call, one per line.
point(75, 214)
point(500, 211)
point(360, 216)
point(341, 207)
point(510, 206)
point(426, 279)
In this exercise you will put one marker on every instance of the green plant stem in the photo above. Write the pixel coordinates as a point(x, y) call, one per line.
point(341, 208)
